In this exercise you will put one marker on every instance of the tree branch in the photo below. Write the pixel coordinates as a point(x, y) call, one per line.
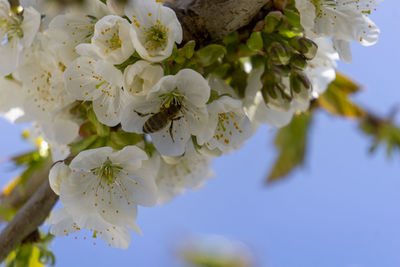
point(21, 193)
point(27, 219)
point(211, 20)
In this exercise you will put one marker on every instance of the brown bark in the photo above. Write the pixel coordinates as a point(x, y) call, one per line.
point(211, 20)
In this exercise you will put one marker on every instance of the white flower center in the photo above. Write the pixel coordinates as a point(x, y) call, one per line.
point(10, 27)
point(107, 172)
point(156, 37)
point(174, 97)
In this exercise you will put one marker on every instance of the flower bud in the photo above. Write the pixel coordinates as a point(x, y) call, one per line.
point(279, 53)
point(299, 82)
point(272, 20)
point(280, 4)
point(305, 46)
point(298, 61)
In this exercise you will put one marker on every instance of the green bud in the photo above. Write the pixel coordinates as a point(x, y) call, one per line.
point(270, 78)
point(298, 61)
point(279, 53)
point(272, 92)
point(305, 46)
point(299, 82)
point(280, 4)
point(264, 92)
point(272, 20)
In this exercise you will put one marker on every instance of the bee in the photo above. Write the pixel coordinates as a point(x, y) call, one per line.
point(158, 121)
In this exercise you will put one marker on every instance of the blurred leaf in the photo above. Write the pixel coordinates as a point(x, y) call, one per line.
point(210, 54)
point(34, 254)
point(291, 142)
point(336, 98)
point(345, 84)
point(188, 49)
point(384, 132)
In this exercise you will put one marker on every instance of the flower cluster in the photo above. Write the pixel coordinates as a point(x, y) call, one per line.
point(133, 116)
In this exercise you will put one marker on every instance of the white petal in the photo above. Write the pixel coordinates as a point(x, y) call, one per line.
point(130, 158)
point(112, 38)
point(172, 147)
point(30, 25)
point(58, 173)
point(89, 159)
point(108, 107)
point(9, 56)
point(80, 80)
point(140, 77)
point(141, 187)
point(193, 86)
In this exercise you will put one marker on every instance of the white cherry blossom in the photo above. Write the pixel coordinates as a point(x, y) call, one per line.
point(63, 224)
point(90, 79)
point(176, 108)
point(16, 32)
point(176, 174)
point(342, 20)
point(112, 39)
point(321, 69)
point(109, 184)
point(73, 28)
point(140, 77)
point(42, 76)
point(229, 124)
point(156, 29)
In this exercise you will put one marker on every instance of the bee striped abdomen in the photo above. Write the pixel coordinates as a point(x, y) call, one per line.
point(155, 123)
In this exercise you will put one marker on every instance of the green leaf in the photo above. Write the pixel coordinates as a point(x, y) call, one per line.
point(188, 49)
point(255, 42)
point(291, 142)
point(336, 99)
point(210, 54)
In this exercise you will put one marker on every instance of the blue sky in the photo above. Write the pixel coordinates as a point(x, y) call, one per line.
point(342, 209)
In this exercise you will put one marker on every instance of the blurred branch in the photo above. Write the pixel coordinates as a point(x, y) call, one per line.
point(15, 195)
point(27, 219)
